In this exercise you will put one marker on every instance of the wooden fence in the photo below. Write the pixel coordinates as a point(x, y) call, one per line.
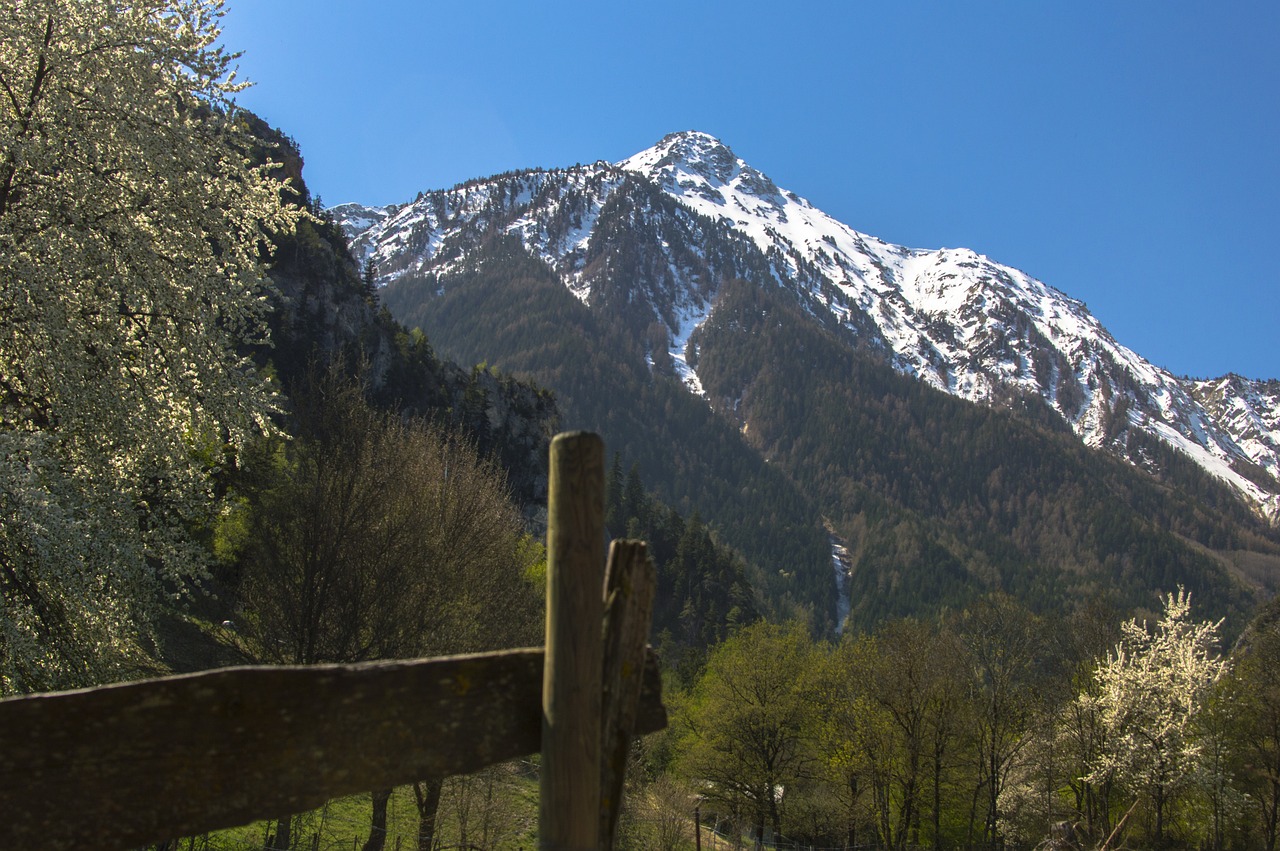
point(124, 765)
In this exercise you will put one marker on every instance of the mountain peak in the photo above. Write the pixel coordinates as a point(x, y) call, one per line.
point(693, 163)
point(953, 318)
point(688, 150)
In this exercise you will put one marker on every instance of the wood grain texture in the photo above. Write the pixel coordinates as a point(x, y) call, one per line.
point(569, 804)
point(631, 580)
point(126, 765)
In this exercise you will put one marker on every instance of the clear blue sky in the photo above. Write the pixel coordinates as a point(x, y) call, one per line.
point(1126, 152)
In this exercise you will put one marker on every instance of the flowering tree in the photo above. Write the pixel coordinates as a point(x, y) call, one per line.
point(1151, 689)
point(131, 225)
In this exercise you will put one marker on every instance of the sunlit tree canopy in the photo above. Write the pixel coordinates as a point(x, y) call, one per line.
point(131, 232)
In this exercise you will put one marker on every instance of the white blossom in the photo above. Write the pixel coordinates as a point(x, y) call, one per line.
point(131, 223)
point(1151, 689)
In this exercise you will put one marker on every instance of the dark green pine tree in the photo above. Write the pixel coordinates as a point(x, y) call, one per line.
point(614, 520)
point(635, 503)
point(369, 281)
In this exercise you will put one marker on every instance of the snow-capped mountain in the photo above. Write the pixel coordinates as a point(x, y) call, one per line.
point(951, 317)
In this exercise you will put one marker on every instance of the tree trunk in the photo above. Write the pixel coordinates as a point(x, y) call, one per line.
point(853, 812)
point(427, 794)
point(1159, 796)
point(378, 828)
point(284, 834)
point(1102, 810)
point(1086, 802)
point(775, 818)
point(908, 818)
point(993, 802)
point(1271, 815)
point(973, 813)
point(1270, 831)
point(937, 799)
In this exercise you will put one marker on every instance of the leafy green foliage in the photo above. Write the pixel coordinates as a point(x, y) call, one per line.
point(1253, 697)
point(989, 726)
point(891, 715)
point(746, 729)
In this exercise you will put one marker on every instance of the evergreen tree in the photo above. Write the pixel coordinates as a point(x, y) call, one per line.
point(613, 507)
point(369, 281)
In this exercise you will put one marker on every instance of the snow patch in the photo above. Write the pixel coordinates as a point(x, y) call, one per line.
point(688, 321)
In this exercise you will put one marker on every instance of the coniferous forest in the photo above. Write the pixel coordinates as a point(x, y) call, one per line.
point(221, 443)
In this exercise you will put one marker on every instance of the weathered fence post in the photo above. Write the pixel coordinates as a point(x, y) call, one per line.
point(569, 810)
point(630, 583)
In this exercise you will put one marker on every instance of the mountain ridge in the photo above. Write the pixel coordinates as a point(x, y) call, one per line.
point(709, 355)
point(952, 317)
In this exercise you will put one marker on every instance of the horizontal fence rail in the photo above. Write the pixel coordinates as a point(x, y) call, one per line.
point(125, 765)
point(120, 766)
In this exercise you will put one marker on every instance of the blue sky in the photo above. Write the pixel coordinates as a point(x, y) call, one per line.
point(1127, 153)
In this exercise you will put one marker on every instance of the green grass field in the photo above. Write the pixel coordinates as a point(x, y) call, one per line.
point(497, 808)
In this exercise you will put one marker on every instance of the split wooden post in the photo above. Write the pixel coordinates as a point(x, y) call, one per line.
point(569, 803)
point(631, 581)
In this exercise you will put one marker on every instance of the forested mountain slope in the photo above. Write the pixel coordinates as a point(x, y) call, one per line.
point(508, 309)
point(749, 383)
point(957, 320)
point(324, 308)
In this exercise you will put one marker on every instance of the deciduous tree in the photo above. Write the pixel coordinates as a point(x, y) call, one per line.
point(131, 232)
point(372, 537)
point(1152, 688)
point(1255, 689)
point(748, 727)
point(891, 718)
point(1005, 651)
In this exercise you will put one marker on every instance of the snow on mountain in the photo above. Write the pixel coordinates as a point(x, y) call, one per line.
point(954, 318)
point(1247, 410)
point(357, 218)
point(973, 327)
